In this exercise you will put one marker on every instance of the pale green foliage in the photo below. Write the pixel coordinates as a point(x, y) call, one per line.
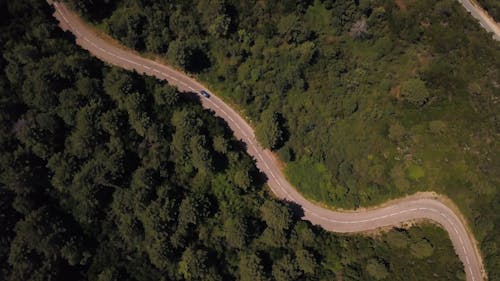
point(398, 239)
point(422, 249)
point(179, 53)
point(377, 269)
point(193, 264)
point(235, 231)
point(396, 132)
point(269, 130)
point(306, 261)
point(437, 127)
point(220, 144)
point(415, 92)
point(242, 179)
point(286, 269)
point(398, 176)
point(108, 274)
point(214, 17)
point(276, 215)
point(165, 95)
point(251, 268)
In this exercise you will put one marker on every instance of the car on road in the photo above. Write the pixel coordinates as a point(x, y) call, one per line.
point(205, 94)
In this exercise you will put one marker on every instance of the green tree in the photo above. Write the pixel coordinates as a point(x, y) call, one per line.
point(8, 218)
point(166, 95)
point(242, 179)
point(215, 17)
point(422, 249)
point(306, 261)
point(193, 209)
point(109, 274)
point(377, 269)
point(397, 238)
point(180, 53)
point(276, 215)
point(251, 268)
point(286, 269)
point(139, 119)
point(157, 33)
point(415, 92)
point(129, 27)
point(194, 266)
point(44, 233)
point(396, 132)
point(274, 237)
point(220, 144)
point(200, 154)
point(270, 130)
point(86, 135)
point(236, 232)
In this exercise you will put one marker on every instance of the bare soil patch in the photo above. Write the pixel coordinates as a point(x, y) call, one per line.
point(401, 5)
point(396, 92)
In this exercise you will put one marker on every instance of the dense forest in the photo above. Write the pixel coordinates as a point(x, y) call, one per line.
point(109, 175)
point(363, 100)
point(492, 7)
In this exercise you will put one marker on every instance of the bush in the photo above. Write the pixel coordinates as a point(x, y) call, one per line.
point(415, 92)
point(377, 269)
point(422, 249)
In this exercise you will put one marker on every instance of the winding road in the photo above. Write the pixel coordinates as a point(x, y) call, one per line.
point(423, 206)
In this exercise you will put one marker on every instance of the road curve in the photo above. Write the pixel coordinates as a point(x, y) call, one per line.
point(485, 20)
point(393, 213)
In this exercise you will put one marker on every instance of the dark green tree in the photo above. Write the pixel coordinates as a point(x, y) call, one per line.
point(270, 130)
point(251, 268)
point(286, 269)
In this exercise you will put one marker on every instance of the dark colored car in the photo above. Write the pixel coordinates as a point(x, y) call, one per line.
point(205, 94)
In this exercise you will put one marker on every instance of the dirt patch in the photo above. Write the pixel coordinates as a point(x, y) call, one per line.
point(401, 5)
point(425, 23)
point(338, 275)
point(396, 92)
point(331, 40)
point(424, 60)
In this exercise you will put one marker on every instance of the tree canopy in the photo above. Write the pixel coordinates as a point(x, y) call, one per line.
point(326, 84)
point(108, 175)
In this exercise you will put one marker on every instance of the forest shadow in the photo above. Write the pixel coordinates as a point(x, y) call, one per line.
point(190, 97)
point(258, 177)
point(297, 210)
point(198, 61)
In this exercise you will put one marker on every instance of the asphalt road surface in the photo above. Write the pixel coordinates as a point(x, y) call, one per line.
point(394, 213)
